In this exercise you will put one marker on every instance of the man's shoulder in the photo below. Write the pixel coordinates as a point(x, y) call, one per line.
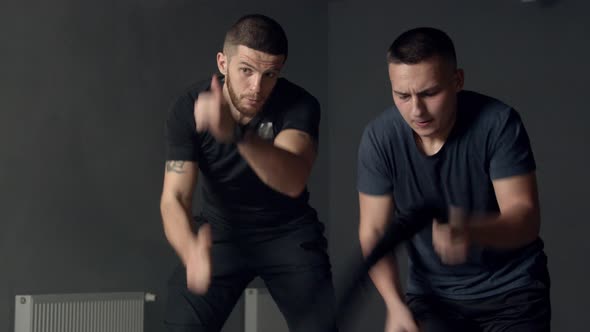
point(287, 92)
point(482, 105)
point(285, 86)
point(385, 133)
point(180, 112)
point(185, 100)
point(482, 112)
point(386, 123)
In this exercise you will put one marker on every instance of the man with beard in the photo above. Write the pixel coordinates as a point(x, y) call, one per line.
point(253, 138)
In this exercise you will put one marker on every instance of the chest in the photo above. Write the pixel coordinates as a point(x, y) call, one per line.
point(223, 162)
point(457, 175)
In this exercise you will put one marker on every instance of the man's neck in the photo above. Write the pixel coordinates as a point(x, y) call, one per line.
point(431, 145)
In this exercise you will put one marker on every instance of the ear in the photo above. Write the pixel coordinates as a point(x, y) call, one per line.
point(460, 80)
point(222, 63)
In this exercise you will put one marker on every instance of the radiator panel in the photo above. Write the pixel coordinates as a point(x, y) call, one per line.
point(91, 312)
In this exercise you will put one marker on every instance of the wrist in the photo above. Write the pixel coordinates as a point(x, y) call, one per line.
point(188, 248)
point(394, 305)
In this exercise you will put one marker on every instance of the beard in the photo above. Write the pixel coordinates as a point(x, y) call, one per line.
point(236, 100)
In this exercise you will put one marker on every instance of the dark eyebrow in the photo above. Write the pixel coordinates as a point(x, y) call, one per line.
point(425, 91)
point(246, 64)
point(431, 89)
point(273, 69)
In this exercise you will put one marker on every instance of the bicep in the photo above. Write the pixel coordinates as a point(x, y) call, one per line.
point(180, 179)
point(375, 214)
point(375, 211)
point(517, 191)
point(298, 143)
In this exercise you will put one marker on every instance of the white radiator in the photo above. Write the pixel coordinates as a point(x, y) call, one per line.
point(90, 312)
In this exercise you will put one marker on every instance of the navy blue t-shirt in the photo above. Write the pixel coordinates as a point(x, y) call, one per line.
point(232, 192)
point(487, 142)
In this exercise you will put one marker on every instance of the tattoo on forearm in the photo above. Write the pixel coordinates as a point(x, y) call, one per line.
point(175, 166)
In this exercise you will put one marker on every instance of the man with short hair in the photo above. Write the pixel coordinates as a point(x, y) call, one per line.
point(253, 138)
point(479, 265)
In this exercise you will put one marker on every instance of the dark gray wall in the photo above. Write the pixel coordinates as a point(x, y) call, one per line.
point(530, 55)
point(85, 87)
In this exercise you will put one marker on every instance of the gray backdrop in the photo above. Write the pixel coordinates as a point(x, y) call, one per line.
point(85, 87)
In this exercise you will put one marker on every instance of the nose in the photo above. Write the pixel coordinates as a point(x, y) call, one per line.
point(256, 83)
point(417, 106)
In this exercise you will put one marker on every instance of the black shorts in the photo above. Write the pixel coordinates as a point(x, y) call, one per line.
point(518, 310)
point(292, 261)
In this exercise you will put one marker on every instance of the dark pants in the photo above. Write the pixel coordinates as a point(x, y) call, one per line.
point(519, 310)
point(290, 259)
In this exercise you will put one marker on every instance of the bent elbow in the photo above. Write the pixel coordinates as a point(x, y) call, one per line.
point(368, 237)
point(534, 230)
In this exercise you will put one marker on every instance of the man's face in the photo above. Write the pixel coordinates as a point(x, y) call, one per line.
point(250, 76)
point(426, 95)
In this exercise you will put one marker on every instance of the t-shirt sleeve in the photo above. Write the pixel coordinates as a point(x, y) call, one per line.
point(374, 177)
point(181, 135)
point(304, 115)
point(511, 152)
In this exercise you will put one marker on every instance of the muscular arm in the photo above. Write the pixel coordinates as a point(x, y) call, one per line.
point(285, 164)
point(519, 220)
point(180, 179)
point(375, 214)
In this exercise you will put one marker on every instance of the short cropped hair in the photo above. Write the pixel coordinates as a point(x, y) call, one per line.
point(419, 44)
point(258, 32)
